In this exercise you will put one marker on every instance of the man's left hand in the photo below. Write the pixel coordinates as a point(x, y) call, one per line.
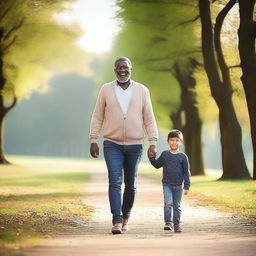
point(152, 151)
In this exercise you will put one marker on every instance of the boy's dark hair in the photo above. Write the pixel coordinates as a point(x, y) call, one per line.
point(175, 134)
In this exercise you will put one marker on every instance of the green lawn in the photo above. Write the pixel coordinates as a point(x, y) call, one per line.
point(41, 198)
point(232, 196)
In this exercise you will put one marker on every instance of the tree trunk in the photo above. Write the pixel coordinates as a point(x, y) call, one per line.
point(7, 39)
point(3, 111)
point(3, 160)
point(247, 37)
point(193, 123)
point(176, 118)
point(232, 155)
point(233, 161)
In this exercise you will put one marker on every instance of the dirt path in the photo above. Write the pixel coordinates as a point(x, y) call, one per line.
point(205, 232)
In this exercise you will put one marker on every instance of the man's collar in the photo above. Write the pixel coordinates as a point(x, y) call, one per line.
point(117, 84)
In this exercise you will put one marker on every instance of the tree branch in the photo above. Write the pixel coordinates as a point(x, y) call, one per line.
point(158, 26)
point(168, 2)
point(169, 70)
point(189, 21)
point(235, 66)
point(159, 59)
point(182, 23)
point(12, 30)
point(217, 32)
point(158, 39)
point(195, 63)
point(7, 109)
point(10, 44)
point(5, 12)
point(171, 58)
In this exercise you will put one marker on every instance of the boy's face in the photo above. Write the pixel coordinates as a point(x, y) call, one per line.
point(174, 143)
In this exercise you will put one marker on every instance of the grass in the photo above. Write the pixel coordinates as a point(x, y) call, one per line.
point(230, 196)
point(41, 198)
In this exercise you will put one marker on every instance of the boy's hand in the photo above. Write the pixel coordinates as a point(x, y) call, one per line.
point(152, 151)
point(186, 192)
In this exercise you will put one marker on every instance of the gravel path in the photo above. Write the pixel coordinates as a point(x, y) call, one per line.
point(205, 232)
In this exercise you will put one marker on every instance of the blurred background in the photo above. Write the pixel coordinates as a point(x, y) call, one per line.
point(57, 55)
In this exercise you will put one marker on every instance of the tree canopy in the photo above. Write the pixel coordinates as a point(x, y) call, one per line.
point(35, 47)
point(156, 34)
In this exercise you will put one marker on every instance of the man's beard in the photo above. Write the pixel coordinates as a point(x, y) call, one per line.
point(123, 76)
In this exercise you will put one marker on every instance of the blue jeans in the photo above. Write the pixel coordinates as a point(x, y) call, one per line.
point(122, 162)
point(172, 203)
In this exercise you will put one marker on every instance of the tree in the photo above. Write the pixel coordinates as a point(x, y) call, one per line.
point(193, 123)
point(247, 40)
point(155, 41)
point(33, 47)
point(234, 166)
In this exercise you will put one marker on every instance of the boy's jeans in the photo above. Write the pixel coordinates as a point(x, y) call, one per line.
point(121, 160)
point(172, 203)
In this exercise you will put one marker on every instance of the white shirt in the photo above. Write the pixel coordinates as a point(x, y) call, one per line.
point(124, 96)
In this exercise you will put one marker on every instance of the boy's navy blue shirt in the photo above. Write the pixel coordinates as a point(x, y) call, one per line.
point(175, 168)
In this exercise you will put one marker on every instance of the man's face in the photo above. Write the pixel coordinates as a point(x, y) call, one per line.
point(123, 71)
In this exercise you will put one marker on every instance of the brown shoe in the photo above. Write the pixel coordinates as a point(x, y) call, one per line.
point(177, 229)
point(168, 226)
point(125, 225)
point(117, 228)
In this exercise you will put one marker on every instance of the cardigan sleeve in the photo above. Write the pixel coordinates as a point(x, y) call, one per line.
point(97, 117)
point(149, 120)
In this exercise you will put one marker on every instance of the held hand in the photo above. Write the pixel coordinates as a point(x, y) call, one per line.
point(186, 192)
point(152, 151)
point(94, 150)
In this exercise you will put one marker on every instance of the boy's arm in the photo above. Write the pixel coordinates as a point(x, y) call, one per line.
point(157, 163)
point(187, 174)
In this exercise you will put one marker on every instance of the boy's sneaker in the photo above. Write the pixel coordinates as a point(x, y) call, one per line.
point(168, 226)
point(117, 228)
point(177, 229)
point(125, 225)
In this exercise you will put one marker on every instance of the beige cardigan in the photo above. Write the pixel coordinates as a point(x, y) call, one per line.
point(123, 129)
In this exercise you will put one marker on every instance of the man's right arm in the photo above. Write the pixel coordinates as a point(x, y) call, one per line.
point(96, 124)
point(149, 121)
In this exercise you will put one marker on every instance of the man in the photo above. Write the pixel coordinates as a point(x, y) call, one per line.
point(123, 109)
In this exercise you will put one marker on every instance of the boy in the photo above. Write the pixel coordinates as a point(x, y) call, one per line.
point(175, 173)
